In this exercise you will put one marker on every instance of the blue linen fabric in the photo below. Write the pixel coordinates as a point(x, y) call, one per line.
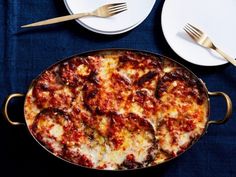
point(27, 52)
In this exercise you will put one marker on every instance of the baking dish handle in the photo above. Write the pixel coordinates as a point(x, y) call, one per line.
point(228, 108)
point(5, 106)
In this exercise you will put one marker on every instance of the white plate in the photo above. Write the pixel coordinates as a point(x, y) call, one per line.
point(125, 21)
point(215, 17)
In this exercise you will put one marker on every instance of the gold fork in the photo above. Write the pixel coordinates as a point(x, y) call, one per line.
point(202, 39)
point(103, 11)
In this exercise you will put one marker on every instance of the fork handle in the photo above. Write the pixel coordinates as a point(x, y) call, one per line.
point(57, 20)
point(227, 57)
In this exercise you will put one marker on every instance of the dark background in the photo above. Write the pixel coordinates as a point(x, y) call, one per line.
point(26, 53)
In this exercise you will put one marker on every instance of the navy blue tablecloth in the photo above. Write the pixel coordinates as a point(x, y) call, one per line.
point(25, 53)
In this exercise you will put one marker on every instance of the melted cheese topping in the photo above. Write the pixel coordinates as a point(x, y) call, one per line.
point(117, 110)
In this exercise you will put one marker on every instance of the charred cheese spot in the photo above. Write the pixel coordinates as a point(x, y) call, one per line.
point(181, 83)
point(99, 123)
point(131, 135)
point(49, 128)
point(100, 99)
point(49, 91)
point(79, 69)
point(88, 150)
point(74, 73)
point(183, 104)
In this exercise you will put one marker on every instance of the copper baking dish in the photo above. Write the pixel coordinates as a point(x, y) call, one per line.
point(153, 55)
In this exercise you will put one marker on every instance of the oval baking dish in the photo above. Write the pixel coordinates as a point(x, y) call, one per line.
point(117, 109)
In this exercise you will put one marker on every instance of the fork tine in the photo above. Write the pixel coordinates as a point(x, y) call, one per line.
point(116, 5)
point(196, 32)
point(118, 11)
point(190, 34)
point(196, 29)
point(192, 31)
